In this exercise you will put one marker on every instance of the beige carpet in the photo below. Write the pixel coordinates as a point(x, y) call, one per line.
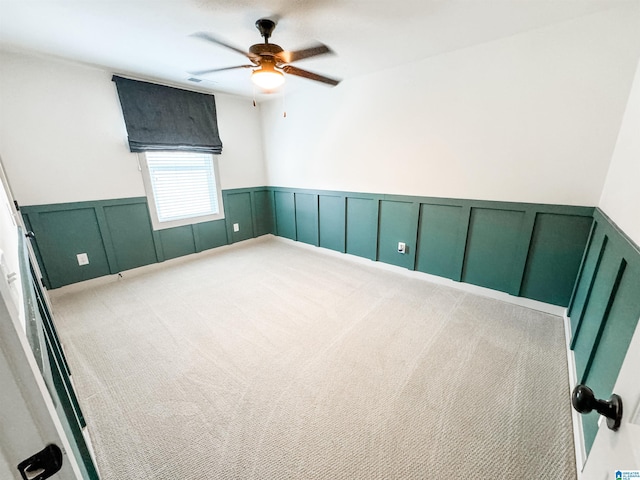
point(271, 361)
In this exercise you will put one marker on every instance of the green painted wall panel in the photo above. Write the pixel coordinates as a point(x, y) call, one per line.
point(332, 216)
point(603, 287)
point(554, 257)
point(307, 218)
point(238, 210)
point(362, 227)
point(177, 241)
point(337, 220)
point(615, 340)
point(585, 254)
point(285, 209)
point(441, 233)
point(119, 236)
point(398, 223)
point(584, 284)
point(61, 236)
point(613, 343)
point(130, 231)
point(492, 248)
point(211, 234)
point(605, 311)
point(263, 210)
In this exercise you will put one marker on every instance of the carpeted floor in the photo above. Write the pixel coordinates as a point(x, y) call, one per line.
point(270, 361)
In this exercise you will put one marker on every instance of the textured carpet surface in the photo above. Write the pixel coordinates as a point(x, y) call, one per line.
point(271, 361)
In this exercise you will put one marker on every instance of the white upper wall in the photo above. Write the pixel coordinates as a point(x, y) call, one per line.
point(63, 138)
point(533, 118)
point(621, 195)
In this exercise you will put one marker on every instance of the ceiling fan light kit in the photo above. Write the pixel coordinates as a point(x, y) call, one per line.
point(269, 61)
point(267, 76)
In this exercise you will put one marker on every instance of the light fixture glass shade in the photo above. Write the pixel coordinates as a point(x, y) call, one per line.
point(268, 78)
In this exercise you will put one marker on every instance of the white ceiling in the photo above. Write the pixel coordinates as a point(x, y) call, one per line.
point(151, 38)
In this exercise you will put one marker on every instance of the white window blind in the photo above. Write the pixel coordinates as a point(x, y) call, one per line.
point(184, 185)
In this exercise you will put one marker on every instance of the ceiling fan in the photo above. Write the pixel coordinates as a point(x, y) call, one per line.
point(270, 61)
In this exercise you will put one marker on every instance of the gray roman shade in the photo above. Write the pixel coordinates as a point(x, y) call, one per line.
point(165, 118)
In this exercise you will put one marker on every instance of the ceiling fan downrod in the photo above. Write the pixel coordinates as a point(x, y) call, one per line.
point(265, 26)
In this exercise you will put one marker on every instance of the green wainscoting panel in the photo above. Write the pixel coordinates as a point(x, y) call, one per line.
point(621, 324)
point(613, 343)
point(492, 249)
point(480, 242)
point(492, 244)
point(332, 222)
point(117, 234)
point(177, 241)
point(237, 207)
point(585, 254)
point(555, 254)
point(263, 212)
point(362, 227)
point(398, 223)
point(584, 284)
point(129, 227)
point(595, 312)
point(307, 218)
point(210, 234)
point(285, 208)
point(604, 311)
point(442, 234)
point(63, 235)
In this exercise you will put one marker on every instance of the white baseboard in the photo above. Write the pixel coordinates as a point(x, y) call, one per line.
point(106, 279)
point(576, 418)
point(467, 287)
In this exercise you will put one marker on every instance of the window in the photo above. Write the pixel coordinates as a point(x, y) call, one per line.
point(182, 188)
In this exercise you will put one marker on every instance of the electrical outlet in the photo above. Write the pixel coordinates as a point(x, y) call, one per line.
point(83, 259)
point(402, 247)
point(236, 227)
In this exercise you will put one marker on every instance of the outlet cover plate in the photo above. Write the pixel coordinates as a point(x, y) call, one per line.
point(83, 259)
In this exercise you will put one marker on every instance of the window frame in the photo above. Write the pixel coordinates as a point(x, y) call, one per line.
point(151, 201)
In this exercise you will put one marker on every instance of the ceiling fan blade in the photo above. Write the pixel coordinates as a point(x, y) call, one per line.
point(310, 75)
point(204, 72)
point(312, 51)
point(210, 38)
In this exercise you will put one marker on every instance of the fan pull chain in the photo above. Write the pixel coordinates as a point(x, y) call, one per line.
point(254, 95)
point(284, 105)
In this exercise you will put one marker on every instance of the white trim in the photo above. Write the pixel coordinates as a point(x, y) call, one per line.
point(576, 419)
point(466, 287)
point(148, 188)
point(106, 279)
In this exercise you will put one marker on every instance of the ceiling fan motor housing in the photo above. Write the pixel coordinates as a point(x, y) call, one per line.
point(267, 49)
